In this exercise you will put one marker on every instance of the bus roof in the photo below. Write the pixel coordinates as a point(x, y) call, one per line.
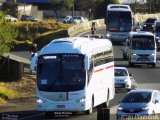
point(118, 7)
point(79, 45)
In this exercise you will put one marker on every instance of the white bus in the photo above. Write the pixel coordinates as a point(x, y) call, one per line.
point(142, 48)
point(119, 22)
point(75, 74)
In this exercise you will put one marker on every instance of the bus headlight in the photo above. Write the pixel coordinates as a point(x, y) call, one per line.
point(108, 35)
point(83, 99)
point(39, 100)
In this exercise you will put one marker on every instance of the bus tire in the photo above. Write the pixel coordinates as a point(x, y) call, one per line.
point(154, 65)
point(90, 111)
point(48, 114)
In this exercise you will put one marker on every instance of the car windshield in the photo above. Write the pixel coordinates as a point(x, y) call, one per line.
point(143, 43)
point(137, 97)
point(150, 20)
point(61, 72)
point(120, 72)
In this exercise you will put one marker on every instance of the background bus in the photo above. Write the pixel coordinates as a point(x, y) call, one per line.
point(118, 22)
point(75, 74)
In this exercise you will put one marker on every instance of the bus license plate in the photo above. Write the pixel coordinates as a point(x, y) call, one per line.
point(60, 106)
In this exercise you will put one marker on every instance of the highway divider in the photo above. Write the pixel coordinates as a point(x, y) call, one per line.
point(84, 27)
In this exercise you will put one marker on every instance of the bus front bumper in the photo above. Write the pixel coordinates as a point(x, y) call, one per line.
point(62, 106)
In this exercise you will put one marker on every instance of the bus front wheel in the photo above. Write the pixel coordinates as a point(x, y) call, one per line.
point(90, 111)
point(48, 114)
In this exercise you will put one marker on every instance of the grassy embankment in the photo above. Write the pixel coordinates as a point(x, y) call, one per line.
point(30, 32)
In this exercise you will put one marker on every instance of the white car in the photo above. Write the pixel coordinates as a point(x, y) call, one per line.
point(123, 80)
point(66, 19)
point(10, 18)
point(141, 102)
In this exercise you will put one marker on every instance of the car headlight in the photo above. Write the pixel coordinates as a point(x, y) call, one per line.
point(145, 108)
point(153, 54)
point(120, 108)
point(39, 100)
point(83, 99)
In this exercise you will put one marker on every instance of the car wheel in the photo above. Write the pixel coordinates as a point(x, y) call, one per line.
point(118, 118)
point(128, 90)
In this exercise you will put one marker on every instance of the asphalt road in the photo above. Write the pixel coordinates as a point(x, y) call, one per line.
point(145, 76)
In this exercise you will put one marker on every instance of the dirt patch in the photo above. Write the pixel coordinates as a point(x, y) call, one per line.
point(27, 88)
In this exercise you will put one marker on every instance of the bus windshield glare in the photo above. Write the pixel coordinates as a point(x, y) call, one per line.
point(60, 72)
point(143, 43)
point(119, 21)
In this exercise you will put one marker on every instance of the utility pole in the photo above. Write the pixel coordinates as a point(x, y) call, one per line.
point(135, 4)
point(150, 6)
point(73, 9)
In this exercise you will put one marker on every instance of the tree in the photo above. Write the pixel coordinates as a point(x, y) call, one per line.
point(61, 5)
point(101, 7)
point(7, 35)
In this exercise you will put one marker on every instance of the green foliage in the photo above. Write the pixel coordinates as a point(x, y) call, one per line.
point(30, 32)
point(46, 38)
point(8, 94)
point(61, 5)
point(153, 6)
point(68, 4)
point(10, 9)
point(8, 34)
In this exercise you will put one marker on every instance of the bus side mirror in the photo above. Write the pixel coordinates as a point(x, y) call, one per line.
point(33, 63)
point(86, 63)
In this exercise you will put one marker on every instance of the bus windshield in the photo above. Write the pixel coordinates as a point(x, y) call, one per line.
point(60, 72)
point(143, 43)
point(119, 21)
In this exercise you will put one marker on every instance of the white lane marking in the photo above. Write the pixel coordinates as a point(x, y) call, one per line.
point(31, 116)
